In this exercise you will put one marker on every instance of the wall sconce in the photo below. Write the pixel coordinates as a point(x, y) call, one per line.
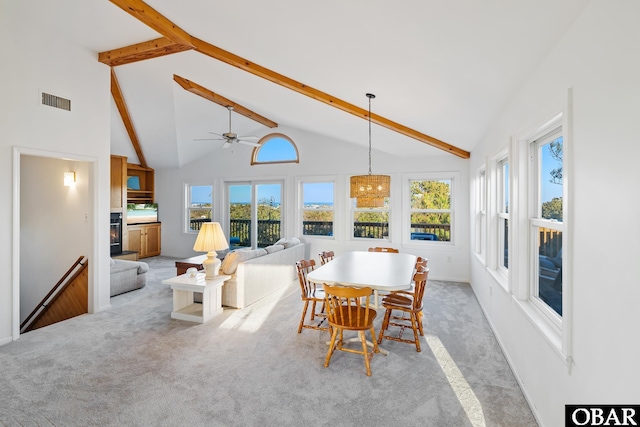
point(69, 179)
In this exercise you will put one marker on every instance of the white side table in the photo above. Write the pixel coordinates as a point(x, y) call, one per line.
point(183, 306)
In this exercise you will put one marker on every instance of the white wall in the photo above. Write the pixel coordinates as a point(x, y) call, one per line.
point(51, 219)
point(598, 59)
point(319, 157)
point(32, 63)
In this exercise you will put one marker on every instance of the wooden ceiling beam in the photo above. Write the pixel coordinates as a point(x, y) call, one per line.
point(126, 119)
point(141, 51)
point(265, 73)
point(151, 17)
point(155, 20)
point(195, 88)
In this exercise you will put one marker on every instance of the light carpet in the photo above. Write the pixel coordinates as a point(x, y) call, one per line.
point(133, 365)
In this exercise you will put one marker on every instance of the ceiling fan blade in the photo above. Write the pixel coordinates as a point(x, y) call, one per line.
point(208, 139)
point(226, 144)
point(248, 137)
point(253, 144)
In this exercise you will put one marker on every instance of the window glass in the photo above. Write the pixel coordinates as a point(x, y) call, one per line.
point(317, 208)
point(430, 213)
point(275, 148)
point(371, 223)
point(548, 223)
point(199, 206)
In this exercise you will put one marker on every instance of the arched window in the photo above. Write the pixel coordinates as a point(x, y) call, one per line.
point(275, 148)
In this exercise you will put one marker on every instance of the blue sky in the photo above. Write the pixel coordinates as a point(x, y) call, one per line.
point(549, 190)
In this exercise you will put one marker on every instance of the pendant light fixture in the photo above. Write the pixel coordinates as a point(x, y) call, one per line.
point(370, 190)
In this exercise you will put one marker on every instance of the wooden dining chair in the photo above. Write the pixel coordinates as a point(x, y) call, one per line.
point(348, 310)
point(376, 295)
point(326, 256)
point(310, 294)
point(409, 305)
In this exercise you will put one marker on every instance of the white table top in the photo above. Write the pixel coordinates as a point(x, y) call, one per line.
point(188, 283)
point(379, 270)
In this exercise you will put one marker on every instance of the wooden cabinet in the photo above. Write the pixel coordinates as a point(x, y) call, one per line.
point(118, 183)
point(140, 184)
point(144, 239)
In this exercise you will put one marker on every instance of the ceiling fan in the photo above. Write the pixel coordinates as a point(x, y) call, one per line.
point(230, 137)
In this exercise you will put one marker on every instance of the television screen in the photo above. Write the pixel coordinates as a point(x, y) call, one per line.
point(142, 213)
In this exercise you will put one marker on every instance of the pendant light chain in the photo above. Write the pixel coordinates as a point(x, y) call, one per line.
point(370, 95)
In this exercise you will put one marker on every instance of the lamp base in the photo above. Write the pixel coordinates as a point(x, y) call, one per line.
point(211, 265)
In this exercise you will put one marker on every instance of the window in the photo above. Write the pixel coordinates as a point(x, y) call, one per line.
point(275, 148)
point(199, 206)
point(371, 223)
point(317, 208)
point(430, 211)
point(502, 211)
point(255, 213)
point(547, 224)
point(481, 213)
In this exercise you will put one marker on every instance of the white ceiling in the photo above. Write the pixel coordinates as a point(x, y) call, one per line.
point(443, 68)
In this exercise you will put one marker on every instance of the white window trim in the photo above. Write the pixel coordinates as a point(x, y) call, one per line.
point(500, 274)
point(480, 220)
point(559, 337)
point(454, 177)
point(186, 188)
point(299, 203)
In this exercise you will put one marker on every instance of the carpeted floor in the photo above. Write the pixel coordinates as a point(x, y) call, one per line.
point(134, 366)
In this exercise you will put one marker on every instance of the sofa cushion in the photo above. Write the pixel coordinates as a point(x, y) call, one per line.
point(231, 261)
point(290, 242)
point(274, 248)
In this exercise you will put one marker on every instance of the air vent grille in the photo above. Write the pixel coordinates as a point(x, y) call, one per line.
point(56, 101)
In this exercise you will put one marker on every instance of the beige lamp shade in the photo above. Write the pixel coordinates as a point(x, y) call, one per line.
point(210, 239)
point(370, 186)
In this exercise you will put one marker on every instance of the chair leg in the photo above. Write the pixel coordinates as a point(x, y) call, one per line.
point(313, 310)
point(414, 326)
point(332, 346)
point(420, 316)
point(365, 352)
point(385, 324)
point(304, 313)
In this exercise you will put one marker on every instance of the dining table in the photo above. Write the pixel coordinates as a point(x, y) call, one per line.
point(380, 271)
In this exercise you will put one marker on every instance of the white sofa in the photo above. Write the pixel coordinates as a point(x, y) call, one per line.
point(261, 274)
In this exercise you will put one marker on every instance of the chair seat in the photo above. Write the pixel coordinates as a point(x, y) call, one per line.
point(351, 316)
point(397, 299)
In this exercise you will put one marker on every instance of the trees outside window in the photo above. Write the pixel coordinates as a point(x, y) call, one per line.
point(430, 210)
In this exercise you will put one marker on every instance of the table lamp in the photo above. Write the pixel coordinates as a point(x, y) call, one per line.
point(210, 239)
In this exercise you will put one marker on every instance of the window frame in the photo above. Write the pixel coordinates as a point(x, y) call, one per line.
point(480, 244)
point(503, 202)
point(300, 217)
point(536, 222)
point(187, 206)
point(454, 178)
point(262, 143)
point(494, 249)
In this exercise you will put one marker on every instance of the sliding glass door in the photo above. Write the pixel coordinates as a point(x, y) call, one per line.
point(255, 213)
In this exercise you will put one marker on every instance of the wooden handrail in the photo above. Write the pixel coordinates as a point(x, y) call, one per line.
point(58, 286)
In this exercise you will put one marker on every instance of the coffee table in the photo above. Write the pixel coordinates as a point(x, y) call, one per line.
point(184, 307)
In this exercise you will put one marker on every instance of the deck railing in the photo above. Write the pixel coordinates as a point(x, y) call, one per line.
point(269, 230)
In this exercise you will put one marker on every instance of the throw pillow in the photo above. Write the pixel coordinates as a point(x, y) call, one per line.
point(290, 242)
point(274, 248)
point(280, 242)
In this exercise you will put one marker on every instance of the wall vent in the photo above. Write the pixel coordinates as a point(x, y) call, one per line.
point(56, 101)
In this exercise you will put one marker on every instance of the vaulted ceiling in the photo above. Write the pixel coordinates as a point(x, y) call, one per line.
point(444, 69)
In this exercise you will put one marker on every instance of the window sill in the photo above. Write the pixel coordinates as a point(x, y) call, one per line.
point(550, 333)
point(500, 278)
